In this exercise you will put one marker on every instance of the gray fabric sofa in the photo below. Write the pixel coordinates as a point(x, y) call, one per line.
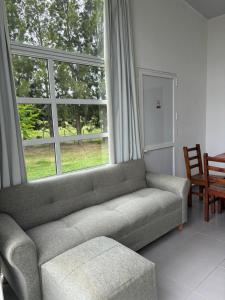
point(43, 219)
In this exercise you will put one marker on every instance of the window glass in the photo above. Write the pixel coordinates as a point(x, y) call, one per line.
point(84, 154)
point(59, 93)
point(35, 121)
point(40, 161)
point(82, 119)
point(31, 77)
point(79, 81)
point(71, 25)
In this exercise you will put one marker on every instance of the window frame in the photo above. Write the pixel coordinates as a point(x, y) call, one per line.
point(51, 55)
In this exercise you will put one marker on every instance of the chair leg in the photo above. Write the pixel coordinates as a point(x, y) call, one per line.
point(201, 191)
point(220, 206)
point(213, 208)
point(190, 197)
point(206, 208)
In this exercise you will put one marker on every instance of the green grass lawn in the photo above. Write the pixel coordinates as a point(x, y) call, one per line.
point(70, 130)
point(40, 160)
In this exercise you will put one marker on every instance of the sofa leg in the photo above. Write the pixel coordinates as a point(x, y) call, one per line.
point(180, 227)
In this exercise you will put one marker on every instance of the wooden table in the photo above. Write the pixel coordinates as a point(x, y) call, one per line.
point(221, 155)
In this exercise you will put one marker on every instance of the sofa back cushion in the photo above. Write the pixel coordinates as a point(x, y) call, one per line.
point(42, 201)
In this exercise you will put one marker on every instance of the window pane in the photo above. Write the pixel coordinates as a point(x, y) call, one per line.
point(35, 121)
point(31, 77)
point(81, 119)
point(40, 161)
point(84, 154)
point(72, 25)
point(76, 81)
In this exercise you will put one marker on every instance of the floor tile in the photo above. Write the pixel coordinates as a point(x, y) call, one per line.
point(213, 288)
point(195, 296)
point(223, 264)
point(193, 261)
point(213, 230)
point(173, 240)
point(171, 290)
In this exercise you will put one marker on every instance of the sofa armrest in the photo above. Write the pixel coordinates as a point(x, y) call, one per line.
point(177, 185)
point(19, 258)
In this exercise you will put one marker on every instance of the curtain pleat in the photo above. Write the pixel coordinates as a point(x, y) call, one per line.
point(123, 114)
point(12, 166)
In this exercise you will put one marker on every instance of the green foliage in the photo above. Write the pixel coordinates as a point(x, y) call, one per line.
point(70, 25)
point(35, 120)
point(28, 116)
point(31, 77)
point(73, 26)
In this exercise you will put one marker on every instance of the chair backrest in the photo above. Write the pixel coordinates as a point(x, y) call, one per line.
point(211, 166)
point(193, 160)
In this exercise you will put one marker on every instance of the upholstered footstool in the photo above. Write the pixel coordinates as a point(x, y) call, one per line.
point(99, 269)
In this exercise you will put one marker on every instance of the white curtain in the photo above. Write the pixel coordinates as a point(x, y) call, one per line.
point(12, 167)
point(1, 283)
point(120, 81)
point(1, 287)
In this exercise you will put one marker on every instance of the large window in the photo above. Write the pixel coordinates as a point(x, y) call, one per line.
point(58, 66)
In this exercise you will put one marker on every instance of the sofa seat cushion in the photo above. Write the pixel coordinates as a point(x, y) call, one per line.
point(144, 206)
point(115, 218)
point(56, 237)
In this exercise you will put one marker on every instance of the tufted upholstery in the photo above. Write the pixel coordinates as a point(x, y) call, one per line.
point(47, 200)
point(115, 219)
point(42, 219)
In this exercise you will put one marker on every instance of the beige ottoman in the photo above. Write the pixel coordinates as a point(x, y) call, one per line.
point(99, 269)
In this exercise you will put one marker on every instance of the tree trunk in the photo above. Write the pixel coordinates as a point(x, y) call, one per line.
point(78, 124)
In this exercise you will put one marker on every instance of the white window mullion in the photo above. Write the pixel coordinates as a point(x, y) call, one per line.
point(82, 101)
point(54, 117)
point(24, 100)
point(27, 100)
point(83, 137)
point(38, 142)
point(55, 54)
point(56, 139)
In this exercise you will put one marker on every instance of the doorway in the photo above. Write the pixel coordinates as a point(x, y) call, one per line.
point(158, 119)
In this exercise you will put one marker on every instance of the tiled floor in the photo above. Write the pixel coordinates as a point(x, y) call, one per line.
point(190, 264)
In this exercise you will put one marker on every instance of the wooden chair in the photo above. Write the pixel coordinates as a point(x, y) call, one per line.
point(193, 162)
point(215, 185)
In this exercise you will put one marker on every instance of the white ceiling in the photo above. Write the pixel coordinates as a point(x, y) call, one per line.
point(209, 8)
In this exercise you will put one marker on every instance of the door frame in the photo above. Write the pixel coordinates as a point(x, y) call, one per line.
point(155, 73)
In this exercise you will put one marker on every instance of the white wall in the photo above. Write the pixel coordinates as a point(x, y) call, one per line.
point(215, 115)
point(170, 36)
